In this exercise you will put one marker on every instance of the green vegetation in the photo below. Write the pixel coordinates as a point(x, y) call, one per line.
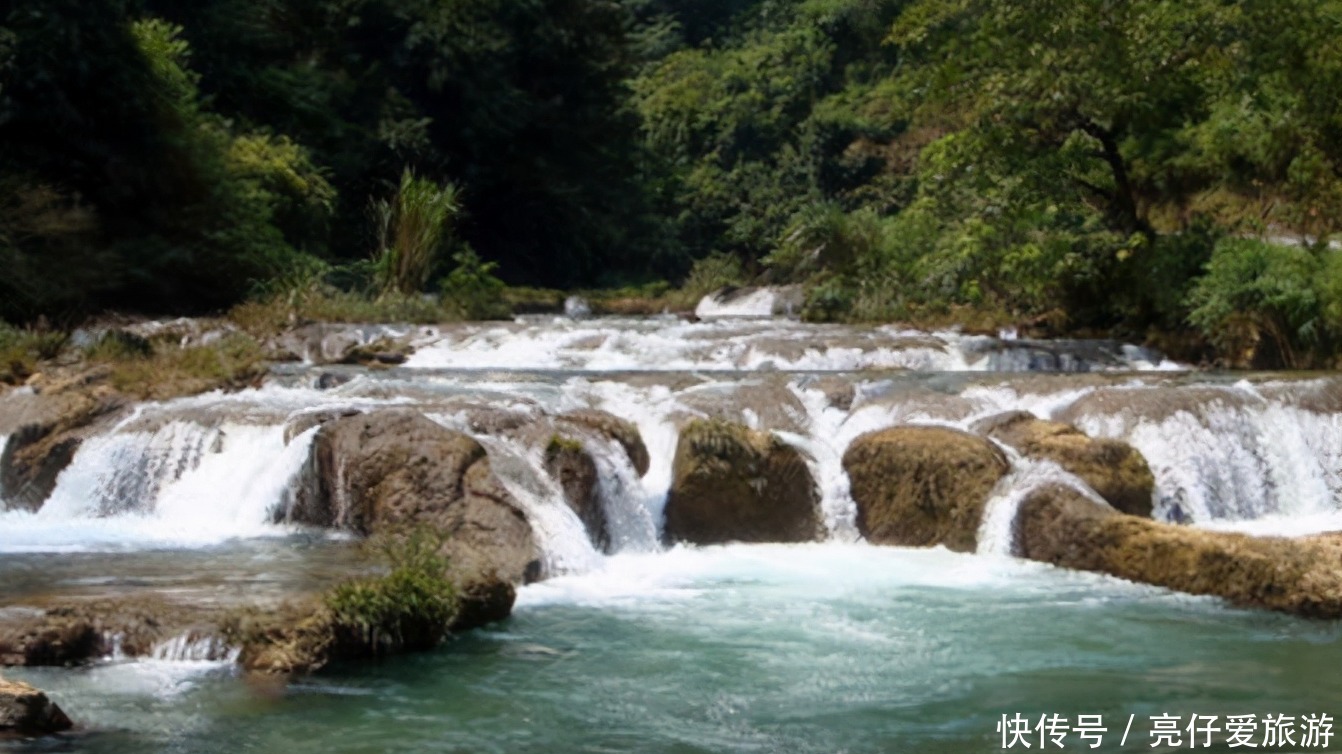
point(409, 609)
point(1143, 169)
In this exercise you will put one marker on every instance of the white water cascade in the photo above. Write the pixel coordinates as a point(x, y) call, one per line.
point(1262, 456)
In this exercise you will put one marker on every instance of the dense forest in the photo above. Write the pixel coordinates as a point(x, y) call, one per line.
point(1154, 169)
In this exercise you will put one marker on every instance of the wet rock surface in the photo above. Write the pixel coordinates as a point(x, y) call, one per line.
point(733, 484)
point(26, 711)
point(1114, 469)
point(1060, 526)
point(922, 486)
point(397, 468)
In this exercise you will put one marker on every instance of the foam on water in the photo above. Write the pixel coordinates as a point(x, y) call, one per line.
point(1228, 463)
point(185, 485)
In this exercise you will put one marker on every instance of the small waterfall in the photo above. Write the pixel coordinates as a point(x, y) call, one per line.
point(1230, 454)
point(565, 546)
point(756, 302)
point(184, 484)
point(997, 532)
point(191, 647)
point(629, 522)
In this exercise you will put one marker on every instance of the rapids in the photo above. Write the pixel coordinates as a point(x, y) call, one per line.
point(204, 483)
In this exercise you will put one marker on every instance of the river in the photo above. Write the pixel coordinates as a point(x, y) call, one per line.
point(837, 646)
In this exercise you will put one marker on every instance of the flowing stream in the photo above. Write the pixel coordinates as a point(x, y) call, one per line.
point(835, 646)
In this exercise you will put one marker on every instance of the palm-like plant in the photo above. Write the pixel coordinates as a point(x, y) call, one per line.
point(415, 226)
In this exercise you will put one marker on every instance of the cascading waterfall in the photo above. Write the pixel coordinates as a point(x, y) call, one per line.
point(184, 484)
point(1237, 460)
point(1258, 460)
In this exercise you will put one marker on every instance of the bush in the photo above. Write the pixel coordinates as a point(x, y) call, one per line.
point(1258, 294)
point(409, 609)
point(415, 227)
point(472, 290)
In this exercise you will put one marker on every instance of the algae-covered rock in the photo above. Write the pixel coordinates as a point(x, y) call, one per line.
point(574, 469)
point(732, 484)
point(1059, 525)
point(27, 711)
point(922, 486)
point(1114, 469)
point(614, 428)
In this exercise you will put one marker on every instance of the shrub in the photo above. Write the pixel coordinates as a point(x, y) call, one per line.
point(472, 289)
point(409, 609)
point(1256, 291)
point(415, 226)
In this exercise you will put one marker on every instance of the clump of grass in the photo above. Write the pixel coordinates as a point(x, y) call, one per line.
point(409, 609)
point(21, 351)
point(160, 371)
point(415, 227)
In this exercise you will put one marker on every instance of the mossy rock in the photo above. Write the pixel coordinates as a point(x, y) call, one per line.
point(733, 484)
point(569, 463)
point(922, 486)
point(1059, 525)
point(1114, 469)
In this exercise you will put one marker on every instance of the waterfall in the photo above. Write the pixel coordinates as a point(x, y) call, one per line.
point(1229, 455)
point(997, 532)
point(184, 484)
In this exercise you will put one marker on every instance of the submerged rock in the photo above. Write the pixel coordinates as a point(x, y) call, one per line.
point(732, 484)
point(26, 711)
point(1114, 469)
point(1059, 525)
point(922, 486)
point(397, 468)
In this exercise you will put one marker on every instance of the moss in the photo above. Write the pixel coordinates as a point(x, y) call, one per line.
point(560, 444)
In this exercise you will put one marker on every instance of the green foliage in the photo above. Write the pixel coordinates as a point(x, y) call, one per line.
point(410, 608)
point(414, 228)
point(712, 273)
point(472, 289)
point(22, 349)
point(1256, 291)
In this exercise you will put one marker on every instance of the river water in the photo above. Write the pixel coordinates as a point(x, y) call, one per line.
point(832, 647)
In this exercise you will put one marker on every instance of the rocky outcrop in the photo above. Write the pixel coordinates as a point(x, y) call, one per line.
point(922, 486)
point(47, 422)
point(573, 467)
point(1058, 525)
point(87, 630)
point(343, 344)
point(28, 712)
point(1114, 469)
point(613, 428)
point(397, 469)
point(732, 484)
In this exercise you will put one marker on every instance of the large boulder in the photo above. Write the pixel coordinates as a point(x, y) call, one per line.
point(26, 711)
point(922, 486)
point(732, 484)
point(395, 469)
point(1059, 525)
point(1114, 469)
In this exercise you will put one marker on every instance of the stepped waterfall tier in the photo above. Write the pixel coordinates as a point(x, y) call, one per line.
point(736, 534)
